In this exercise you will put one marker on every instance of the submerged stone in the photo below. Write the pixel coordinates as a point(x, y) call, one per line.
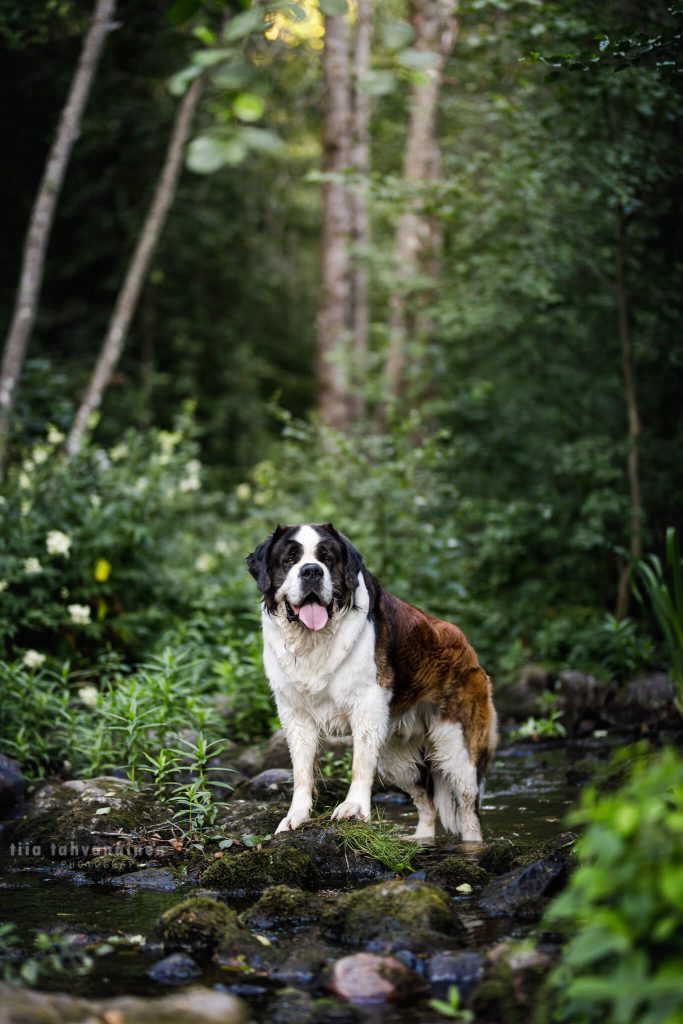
point(389, 908)
point(199, 926)
point(108, 865)
point(281, 908)
point(454, 871)
point(365, 978)
point(258, 869)
point(176, 969)
point(150, 879)
point(465, 970)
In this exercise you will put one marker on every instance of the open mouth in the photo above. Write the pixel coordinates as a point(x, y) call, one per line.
point(311, 613)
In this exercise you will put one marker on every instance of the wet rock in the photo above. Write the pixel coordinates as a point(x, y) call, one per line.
point(465, 970)
point(454, 871)
point(273, 784)
point(520, 893)
point(176, 969)
point(250, 760)
point(282, 908)
point(303, 965)
point(333, 864)
point(255, 817)
point(258, 869)
point(199, 926)
point(498, 856)
point(524, 696)
point(644, 700)
point(277, 752)
point(367, 978)
point(514, 973)
point(584, 698)
point(193, 1006)
point(12, 786)
point(417, 910)
point(108, 865)
point(85, 814)
point(149, 879)
point(292, 1006)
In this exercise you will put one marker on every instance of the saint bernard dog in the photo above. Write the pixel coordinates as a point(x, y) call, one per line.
point(342, 654)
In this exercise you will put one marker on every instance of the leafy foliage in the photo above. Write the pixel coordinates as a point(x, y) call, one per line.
point(666, 600)
point(623, 908)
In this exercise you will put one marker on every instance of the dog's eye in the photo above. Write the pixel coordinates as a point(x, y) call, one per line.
point(325, 557)
point(288, 560)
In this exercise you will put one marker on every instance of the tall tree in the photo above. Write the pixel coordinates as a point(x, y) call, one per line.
point(127, 300)
point(333, 322)
point(417, 236)
point(360, 218)
point(43, 212)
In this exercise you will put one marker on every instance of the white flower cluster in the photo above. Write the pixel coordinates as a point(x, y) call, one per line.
point(33, 659)
point(191, 482)
point(79, 613)
point(58, 543)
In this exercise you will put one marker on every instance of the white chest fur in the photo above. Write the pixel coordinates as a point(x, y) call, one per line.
point(328, 672)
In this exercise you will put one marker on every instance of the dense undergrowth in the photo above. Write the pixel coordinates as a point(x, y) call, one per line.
point(127, 614)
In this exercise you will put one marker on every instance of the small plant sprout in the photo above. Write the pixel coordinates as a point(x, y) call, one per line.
point(450, 1006)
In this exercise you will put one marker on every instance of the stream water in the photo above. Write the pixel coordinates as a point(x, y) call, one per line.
point(526, 800)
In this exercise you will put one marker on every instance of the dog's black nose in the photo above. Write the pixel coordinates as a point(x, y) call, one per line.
point(311, 572)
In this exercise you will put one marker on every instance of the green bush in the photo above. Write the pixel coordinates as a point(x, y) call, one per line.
point(623, 908)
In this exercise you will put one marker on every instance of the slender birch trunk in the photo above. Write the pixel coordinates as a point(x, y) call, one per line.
point(628, 370)
point(360, 217)
point(129, 294)
point(435, 31)
point(43, 212)
point(333, 320)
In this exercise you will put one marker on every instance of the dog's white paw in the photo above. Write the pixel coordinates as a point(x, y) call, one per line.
point(349, 809)
point(291, 822)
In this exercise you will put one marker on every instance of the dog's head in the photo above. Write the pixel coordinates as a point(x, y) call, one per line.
point(310, 571)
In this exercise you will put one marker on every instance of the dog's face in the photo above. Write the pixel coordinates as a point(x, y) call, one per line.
point(310, 571)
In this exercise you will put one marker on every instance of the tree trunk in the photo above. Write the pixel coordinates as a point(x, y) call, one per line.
point(417, 237)
point(333, 321)
point(42, 215)
point(127, 300)
point(360, 219)
point(628, 370)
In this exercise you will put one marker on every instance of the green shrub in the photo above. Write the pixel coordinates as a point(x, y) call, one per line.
point(623, 908)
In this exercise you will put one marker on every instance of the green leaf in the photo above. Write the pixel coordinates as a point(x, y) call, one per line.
point(332, 8)
point(181, 11)
point(262, 140)
point(207, 154)
point(179, 82)
point(397, 34)
point(377, 83)
point(248, 106)
point(243, 25)
point(418, 60)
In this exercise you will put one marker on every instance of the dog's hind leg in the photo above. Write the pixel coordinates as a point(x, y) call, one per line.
point(401, 764)
point(456, 787)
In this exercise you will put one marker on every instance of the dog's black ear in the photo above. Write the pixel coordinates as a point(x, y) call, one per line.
point(353, 561)
point(258, 562)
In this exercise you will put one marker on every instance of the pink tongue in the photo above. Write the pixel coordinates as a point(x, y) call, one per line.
point(313, 615)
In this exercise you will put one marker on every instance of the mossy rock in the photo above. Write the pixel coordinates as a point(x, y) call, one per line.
point(108, 866)
point(281, 908)
point(201, 926)
point(256, 870)
point(514, 977)
point(388, 908)
point(499, 856)
point(84, 813)
point(454, 871)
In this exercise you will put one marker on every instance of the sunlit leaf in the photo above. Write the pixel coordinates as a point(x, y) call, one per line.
point(248, 107)
point(243, 25)
point(377, 83)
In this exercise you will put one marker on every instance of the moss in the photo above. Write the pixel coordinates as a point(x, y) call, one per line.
point(282, 907)
point(499, 856)
point(256, 870)
point(454, 871)
point(199, 926)
point(108, 865)
point(390, 907)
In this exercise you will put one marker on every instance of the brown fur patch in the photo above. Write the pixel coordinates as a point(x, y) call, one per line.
point(431, 662)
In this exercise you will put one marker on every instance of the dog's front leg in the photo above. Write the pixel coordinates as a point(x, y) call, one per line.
point(302, 738)
point(369, 723)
